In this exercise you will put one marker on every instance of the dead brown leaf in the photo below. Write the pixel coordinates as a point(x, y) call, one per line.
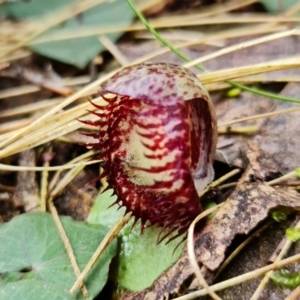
point(232, 146)
point(248, 205)
point(278, 140)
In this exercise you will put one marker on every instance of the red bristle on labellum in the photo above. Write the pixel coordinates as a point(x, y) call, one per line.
point(157, 138)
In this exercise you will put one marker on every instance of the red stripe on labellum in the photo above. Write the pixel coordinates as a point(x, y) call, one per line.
point(157, 138)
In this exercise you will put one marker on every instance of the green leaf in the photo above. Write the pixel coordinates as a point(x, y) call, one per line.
point(209, 205)
point(140, 259)
point(286, 279)
point(297, 171)
point(102, 214)
point(279, 215)
point(33, 290)
point(76, 51)
point(278, 6)
point(293, 234)
point(34, 264)
point(33, 9)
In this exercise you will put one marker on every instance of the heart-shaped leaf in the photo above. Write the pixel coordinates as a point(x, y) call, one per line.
point(77, 51)
point(278, 6)
point(141, 259)
point(34, 263)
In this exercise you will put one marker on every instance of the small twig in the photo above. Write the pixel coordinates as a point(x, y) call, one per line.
point(113, 232)
point(192, 256)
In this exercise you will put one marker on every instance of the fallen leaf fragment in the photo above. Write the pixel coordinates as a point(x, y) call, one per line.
point(248, 205)
point(279, 138)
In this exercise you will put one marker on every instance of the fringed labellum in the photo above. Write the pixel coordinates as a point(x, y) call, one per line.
point(157, 138)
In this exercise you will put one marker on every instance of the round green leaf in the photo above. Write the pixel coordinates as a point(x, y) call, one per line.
point(278, 6)
point(78, 51)
point(34, 263)
point(141, 260)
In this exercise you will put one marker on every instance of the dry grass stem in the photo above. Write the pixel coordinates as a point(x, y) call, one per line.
point(219, 181)
point(225, 34)
point(63, 182)
point(168, 22)
point(44, 187)
point(35, 28)
point(67, 245)
point(242, 278)
point(232, 73)
point(239, 130)
point(17, 91)
point(227, 185)
point(113, 49)
point(40, 169)
point(255, 117)
point(192, 256)
point(266, 278)
point(63, 123)
point(260, 78)
point(29, 133)
point(294, 295)
point(8, 127)
point(282, 178)
point(29, 108)
point(48, 129)
point(293, 10)
point(243, 45)
point(113, 232)
point(53, 111)
point(81, 158)
point(219, 35)
point(16, 55)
